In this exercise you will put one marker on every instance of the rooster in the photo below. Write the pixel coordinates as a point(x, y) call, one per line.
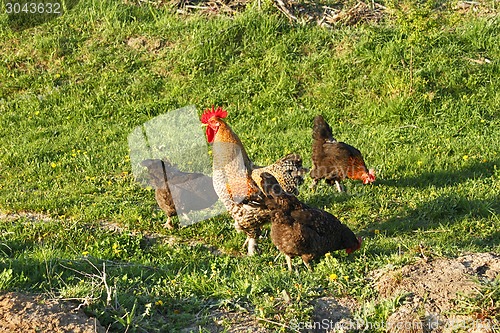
point(236, 180)
point(288, 170)
point(189, 191)
point(299, 230)
point(333, 160)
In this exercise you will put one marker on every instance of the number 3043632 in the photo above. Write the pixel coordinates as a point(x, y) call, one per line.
point(33, 8)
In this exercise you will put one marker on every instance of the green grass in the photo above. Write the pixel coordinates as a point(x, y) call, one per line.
point(412, 92)
point(485, 304)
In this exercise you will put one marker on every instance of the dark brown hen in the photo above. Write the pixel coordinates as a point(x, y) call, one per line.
point(334, 161)
point(177, 191)
point(299, 230)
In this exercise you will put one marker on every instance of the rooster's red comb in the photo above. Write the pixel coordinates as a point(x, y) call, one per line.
point(213, 112)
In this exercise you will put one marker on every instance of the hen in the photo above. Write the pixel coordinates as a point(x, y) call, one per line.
point(177, 191)
point(299, 230)
point(236, 180)
point(334, 161)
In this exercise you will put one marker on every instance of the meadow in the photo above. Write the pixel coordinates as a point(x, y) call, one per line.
point(418, 92)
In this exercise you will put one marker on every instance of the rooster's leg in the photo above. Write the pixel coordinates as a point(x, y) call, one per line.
point(169, 225)
point(340, 187)
point(308, 266)
point(246, 242)
point(252, 243)
point(289, 262)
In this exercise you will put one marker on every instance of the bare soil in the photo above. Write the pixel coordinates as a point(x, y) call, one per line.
point(432, 292)
point(25, 313)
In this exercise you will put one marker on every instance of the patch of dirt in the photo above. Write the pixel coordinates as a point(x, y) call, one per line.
point(328, 16)
point(24, 313)
point(209, 7)
point(33, 217)
point(320, 12)
point(332, 315)
point(142, 43)
point(431, 291)
point(301, 11)
point(479, 7)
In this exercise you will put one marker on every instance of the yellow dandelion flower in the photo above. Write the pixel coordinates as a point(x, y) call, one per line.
point(53, 165)
point(376, 231)
point(159, 302)
point(333, 277)
point(116, 250)
point(419, 162)
point(466, 157)
point(346, 277)
point(85, 253)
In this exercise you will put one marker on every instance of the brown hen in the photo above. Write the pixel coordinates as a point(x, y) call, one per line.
point(334, 161)
point(299, 230)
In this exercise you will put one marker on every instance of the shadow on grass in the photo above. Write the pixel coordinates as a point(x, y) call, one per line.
point(11, 248)
point(24, 15)
point(444, 178)
point(326, 198)
point(439, 216)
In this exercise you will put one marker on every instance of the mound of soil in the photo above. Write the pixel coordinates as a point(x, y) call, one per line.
point(23, 313)
point(432, 290)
